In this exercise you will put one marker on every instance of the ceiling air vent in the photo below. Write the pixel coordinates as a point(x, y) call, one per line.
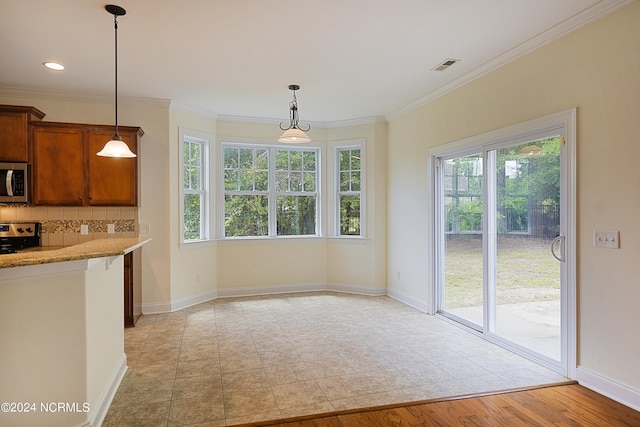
point(445, 64)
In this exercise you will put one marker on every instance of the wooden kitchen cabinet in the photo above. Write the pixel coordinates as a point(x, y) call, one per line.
point(112, 181)
point(14, 132)
point(67, 171)
point(58, 169)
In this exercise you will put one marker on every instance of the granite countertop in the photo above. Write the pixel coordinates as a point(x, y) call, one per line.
point(92, 249)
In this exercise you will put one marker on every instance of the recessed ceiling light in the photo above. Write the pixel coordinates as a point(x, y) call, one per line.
point(53, 66)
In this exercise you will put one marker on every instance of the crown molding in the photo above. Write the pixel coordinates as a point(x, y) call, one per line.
point(251, 120)
point(320, 125)
point(193, 110)
point(582, 19)
point(356, 122)
point(92, 97)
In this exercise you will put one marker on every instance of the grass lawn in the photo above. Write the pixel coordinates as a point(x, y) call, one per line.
point(526, 271)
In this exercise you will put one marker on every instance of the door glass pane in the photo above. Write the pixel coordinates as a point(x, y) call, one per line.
point(527, 282)
point(463, 273)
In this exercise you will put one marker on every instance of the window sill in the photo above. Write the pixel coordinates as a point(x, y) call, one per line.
point(350, 239)
point(266, 239)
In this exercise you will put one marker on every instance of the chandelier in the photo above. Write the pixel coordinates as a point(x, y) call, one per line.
point(293, 134)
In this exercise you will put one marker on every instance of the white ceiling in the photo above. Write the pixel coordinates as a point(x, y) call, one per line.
point(352, 58)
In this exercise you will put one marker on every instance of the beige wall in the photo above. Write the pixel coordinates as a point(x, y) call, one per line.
point(193, 267)
point(597, 70)
point(362, 262)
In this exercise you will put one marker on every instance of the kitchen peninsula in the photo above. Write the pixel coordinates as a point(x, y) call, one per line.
point(61, 317)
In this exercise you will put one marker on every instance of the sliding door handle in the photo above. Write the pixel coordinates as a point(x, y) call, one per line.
point(560, 242)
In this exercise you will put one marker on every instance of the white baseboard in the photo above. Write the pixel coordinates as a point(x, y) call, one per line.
point(102, 406)
point(355, 289)
point(622, 393)
point(178, 304)
point(269, 290)
point(166, 307)
point(156, 307)
point(193, 300)
point(408, 300)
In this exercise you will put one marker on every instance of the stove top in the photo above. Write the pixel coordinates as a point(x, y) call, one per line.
point(15, 236)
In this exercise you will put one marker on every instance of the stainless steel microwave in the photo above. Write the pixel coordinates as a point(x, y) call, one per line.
point(14, 183)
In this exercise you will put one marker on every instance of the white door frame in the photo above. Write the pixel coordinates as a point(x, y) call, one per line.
point(522, 131)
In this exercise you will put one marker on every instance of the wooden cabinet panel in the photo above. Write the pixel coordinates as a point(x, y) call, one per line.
point(112, 181)
point(68, 172)
point(132, 288)
point(58, 166)
point(14, 132)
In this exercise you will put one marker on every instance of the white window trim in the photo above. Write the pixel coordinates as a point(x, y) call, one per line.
point(335, 176)
point(271, 146)
point(207, 211)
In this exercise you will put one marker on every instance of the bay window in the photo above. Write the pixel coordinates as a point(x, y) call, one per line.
point(270, 191)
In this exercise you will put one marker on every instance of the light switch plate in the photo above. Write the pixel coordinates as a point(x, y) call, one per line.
point(606, 239)
point(84, 229)
point(111, 228)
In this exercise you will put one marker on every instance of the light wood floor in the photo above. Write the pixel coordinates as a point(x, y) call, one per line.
point(567, 404)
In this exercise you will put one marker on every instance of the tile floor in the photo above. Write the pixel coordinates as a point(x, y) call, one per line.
point(248, 359)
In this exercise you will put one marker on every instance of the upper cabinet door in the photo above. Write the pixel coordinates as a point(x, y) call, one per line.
point(58, 166)
point(112, 181)
point(14, 132)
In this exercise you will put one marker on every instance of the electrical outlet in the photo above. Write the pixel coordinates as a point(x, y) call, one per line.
point(197, 277)
point(145, 228)
point(606, 239)
point(84, 229)
point(111, 228)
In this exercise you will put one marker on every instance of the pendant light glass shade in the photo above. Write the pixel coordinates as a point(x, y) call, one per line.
point(116, 147)
point(294, 136)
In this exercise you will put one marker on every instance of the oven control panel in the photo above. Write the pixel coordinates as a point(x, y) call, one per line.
point(20, 229)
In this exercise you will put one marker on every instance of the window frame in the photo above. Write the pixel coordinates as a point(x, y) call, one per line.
point(271, 192)
point(192, 136)
point(338, 147)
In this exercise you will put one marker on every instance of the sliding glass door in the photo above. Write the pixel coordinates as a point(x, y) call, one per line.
point(525, 221)
point(462, 206)
point(501, 254)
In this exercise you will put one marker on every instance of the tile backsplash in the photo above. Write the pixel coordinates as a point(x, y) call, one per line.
point(61, 225)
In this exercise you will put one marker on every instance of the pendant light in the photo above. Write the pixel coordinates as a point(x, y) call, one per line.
point(293, 134)
point(116, 147)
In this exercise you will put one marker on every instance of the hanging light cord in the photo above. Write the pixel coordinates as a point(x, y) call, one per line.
point(115, 26)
